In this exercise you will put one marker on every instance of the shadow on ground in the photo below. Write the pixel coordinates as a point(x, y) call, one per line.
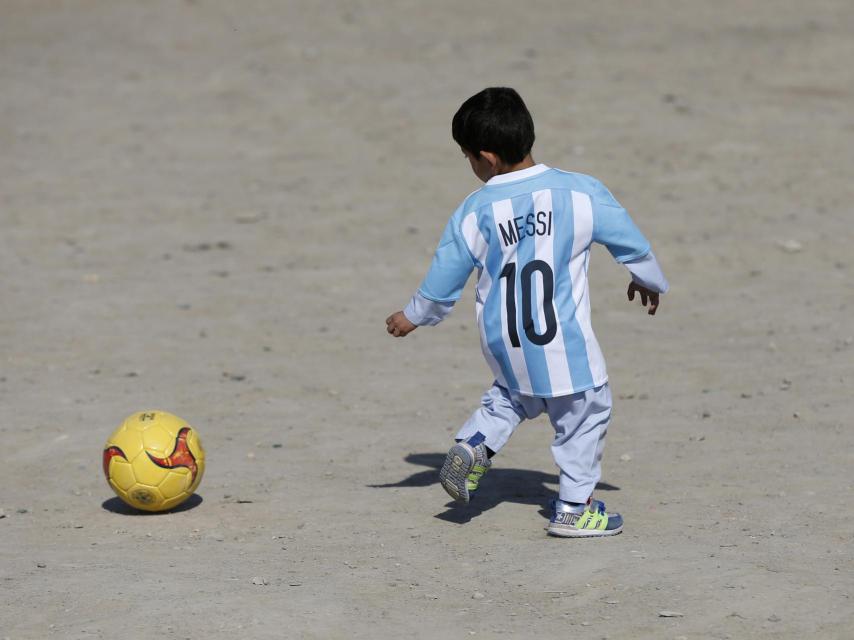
point(522, 486)
point(115, 505)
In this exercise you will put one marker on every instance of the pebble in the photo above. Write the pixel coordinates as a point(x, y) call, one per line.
point(625, 457)
point(774, 618)
point(477, 595)
point(257, 580)
point(790, 246)
point(670, 614)
point(250, 218)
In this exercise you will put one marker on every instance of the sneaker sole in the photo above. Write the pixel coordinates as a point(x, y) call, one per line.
point(458, 464)
point(581, 533)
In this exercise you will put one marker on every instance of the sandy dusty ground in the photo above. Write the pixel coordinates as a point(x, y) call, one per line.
point(210, 208)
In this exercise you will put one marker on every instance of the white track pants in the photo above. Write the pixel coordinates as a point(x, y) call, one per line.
point(580, 422)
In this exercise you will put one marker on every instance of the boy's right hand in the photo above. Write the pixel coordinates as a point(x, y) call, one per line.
point(399, 325)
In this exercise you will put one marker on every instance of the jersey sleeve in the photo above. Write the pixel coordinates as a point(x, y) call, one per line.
point(452, 264)
point(647, 272)
point(420, 311)
point(613, 227)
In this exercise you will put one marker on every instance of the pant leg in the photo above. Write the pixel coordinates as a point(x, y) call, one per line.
point(580, 422)
point(499, 415)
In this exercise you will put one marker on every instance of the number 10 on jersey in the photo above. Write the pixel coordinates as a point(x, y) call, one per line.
point(526, 283)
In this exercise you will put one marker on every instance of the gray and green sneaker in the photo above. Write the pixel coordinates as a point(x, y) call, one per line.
point(464, 466)
point(584, 521)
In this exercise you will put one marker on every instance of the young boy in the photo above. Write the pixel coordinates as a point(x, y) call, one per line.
point(528, 233)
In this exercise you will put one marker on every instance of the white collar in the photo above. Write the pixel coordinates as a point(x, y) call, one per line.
point(522, 174)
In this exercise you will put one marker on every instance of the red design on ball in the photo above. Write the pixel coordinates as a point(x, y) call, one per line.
point(181, 455)
point(109, 454)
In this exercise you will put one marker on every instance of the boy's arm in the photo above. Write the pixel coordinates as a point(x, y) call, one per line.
point(442, 287)
point(614, 228)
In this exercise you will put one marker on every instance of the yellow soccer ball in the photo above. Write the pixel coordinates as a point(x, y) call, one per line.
point(154, 460)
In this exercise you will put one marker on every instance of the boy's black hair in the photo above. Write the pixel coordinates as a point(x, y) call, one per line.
point(497, 120)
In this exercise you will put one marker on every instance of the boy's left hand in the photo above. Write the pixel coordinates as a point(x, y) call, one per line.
point(645, 294)
point(399, 325)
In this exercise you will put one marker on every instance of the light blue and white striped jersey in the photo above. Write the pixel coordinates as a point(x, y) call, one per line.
point(528, 235)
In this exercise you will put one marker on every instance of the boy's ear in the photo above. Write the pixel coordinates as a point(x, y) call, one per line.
point(491, 158)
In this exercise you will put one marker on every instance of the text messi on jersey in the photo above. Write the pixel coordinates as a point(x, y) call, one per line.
point(539, 224)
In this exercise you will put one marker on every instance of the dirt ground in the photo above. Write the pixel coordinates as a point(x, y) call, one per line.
point(210, 208)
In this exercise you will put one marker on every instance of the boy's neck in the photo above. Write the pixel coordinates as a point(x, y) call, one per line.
point(527, 163)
